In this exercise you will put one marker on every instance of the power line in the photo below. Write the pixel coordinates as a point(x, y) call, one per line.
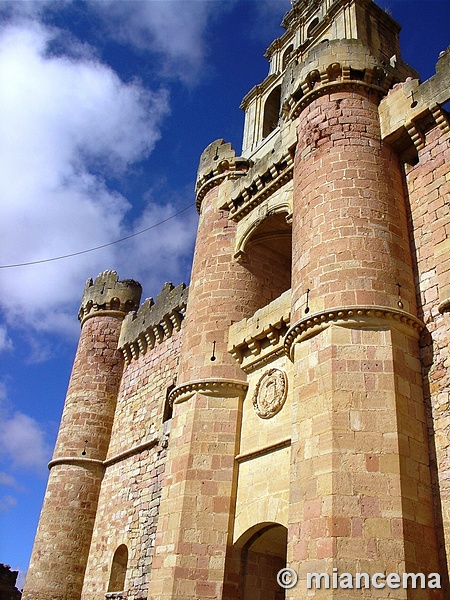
point(132, 235)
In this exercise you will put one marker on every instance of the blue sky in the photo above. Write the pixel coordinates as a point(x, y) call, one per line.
point(106, 106)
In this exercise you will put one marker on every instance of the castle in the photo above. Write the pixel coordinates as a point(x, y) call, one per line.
point(292, 405)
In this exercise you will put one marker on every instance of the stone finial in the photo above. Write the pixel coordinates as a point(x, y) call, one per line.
point(109, 294)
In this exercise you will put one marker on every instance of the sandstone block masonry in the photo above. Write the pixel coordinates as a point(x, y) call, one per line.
point(292, 405)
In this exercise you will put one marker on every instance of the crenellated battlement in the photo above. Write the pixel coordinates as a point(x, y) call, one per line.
point(109, 294)
point(413, 108)
point(335, 65)
point(217, 163)
point(154, 321)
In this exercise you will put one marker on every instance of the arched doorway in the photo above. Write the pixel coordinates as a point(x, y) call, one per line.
point(253, 563)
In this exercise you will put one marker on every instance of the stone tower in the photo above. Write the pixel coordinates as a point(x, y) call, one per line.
point(65, 528)
point(291, 406)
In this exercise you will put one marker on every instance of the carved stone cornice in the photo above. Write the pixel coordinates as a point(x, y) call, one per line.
point(258, 340)
point(222, 388)
point(261, 184)
point(351, 316)
point(408, 105)
point(298, 102)
point(216, 178)
point(218, 163)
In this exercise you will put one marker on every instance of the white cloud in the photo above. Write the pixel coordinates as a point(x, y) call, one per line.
point(67, 123)
point(7, 480)
point(174, 29)
point(22, 442)
point(5, 340)
point(20, 583)
point(6, 503)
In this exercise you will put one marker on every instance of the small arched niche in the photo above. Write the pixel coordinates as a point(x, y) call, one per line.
point(118, 569)
point(267, 251)
point(272, 111)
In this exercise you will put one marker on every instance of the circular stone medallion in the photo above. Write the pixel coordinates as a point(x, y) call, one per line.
point(270, 393)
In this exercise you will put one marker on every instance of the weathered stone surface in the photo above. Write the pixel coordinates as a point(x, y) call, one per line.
point(319, 295)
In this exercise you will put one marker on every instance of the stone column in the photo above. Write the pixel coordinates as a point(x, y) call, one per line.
point(360, 482)
point(63, 538)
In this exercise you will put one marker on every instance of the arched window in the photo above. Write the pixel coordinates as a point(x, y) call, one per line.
point(168, 408)
point(287, 55)
point(118, 569)
point(312, 26)
point(272, 111)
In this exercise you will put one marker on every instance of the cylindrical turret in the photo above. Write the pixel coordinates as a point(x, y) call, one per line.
point(207, 399)
point(65, 528)
point(350, 232)
point(358, 414)
point(222, 290)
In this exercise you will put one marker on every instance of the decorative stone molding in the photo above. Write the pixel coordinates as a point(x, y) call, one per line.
point(412, 106)
point(259, 340)
point(154, 322)
point(75, 460)
point(222, 388)
point(83, 462)
point(441, 118)
point(351, 316)
point(335, 65)
point(109, 296)
point(417, 137)
point(132, 451)
point(263, 451)
point(262, 184)
point(317, 85)
point(270, 393)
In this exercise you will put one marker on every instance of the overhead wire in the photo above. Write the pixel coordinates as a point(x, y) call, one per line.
point(127, 237)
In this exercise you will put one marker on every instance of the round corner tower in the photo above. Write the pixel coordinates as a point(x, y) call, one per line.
point(63, 538)
point(359, 413)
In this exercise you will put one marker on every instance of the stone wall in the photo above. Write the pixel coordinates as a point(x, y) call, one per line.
point(129, 501)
